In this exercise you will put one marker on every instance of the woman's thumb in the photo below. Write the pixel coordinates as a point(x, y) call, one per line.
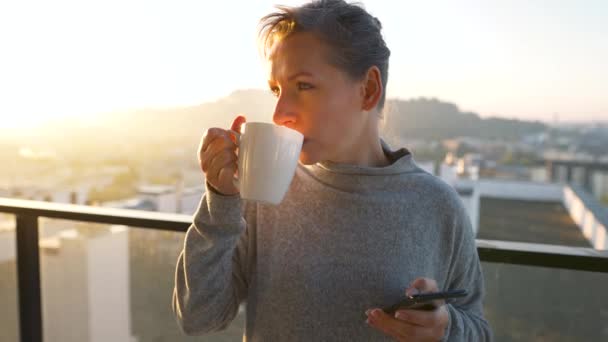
point(421, 285)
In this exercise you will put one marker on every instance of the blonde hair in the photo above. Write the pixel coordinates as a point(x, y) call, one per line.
point(352, 34)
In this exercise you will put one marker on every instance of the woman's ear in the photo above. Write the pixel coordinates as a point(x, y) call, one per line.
point(371, 88)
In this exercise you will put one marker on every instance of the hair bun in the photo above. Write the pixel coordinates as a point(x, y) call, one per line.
point(378, 23)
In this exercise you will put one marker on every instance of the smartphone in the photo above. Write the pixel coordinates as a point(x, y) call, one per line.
point(424, 301)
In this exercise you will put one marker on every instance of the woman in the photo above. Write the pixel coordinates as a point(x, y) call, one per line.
point(360, 226)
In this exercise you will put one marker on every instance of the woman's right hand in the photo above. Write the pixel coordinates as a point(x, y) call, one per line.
point(218, 159)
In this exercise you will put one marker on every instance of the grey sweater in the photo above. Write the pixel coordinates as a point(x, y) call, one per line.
point(345, 239)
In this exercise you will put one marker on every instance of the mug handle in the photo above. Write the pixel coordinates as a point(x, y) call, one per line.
point(235, 180)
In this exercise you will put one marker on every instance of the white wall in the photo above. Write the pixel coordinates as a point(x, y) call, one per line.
point(591, 227)
point(7, 246)
point(109, 290)
point(520, 190)
point(448, 173)
point(471, 204)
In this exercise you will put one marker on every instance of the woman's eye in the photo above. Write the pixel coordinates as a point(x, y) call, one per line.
point(275, 91)
point(304, 86)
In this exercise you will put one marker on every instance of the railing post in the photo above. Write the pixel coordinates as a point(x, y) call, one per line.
point(28, 269)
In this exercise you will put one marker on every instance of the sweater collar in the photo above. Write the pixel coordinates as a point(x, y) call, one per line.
point(401, 161)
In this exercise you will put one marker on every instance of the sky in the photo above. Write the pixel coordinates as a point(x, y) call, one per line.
point(532, 60)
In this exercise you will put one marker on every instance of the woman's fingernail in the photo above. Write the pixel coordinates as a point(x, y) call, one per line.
point(412, 291)
point(400, 315)
point(376, 313)
point(368, 311)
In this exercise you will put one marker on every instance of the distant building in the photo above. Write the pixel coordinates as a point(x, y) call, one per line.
point(448, 173)
point(599, 185)
point(8, 280)
point(72, 195)
point(539, 174)
point(545, 214)
point(469, 194)
point(136, 203)
point(588, 219)
point(585, 171)
point(7, 238)
point(162, 198)
point(86, 280)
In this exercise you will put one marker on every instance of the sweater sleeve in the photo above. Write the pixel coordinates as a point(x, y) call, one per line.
point(466, 320)
point(210, 276)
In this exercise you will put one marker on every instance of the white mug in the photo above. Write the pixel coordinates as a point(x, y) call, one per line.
point(268, 156)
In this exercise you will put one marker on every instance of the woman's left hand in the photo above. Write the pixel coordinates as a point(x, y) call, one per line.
point(413, 325)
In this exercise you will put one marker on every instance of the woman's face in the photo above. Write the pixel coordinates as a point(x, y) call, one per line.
point(317, 99)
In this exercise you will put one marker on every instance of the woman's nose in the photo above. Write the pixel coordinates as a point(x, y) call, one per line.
point(284, 111)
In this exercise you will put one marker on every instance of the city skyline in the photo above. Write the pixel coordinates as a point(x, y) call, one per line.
point(539, 60)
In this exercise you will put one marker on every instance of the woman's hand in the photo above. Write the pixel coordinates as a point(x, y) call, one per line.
point(218, 159)
point(413, 325)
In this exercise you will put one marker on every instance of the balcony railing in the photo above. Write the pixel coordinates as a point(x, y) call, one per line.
point(28, 259)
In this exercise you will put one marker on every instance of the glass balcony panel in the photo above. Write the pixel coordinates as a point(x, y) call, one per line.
point(9, 324)
point(112, 283)
point(527, 303)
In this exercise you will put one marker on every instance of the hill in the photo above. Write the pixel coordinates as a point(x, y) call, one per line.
point(431, 119)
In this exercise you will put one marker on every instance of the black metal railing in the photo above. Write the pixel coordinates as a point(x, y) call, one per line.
point(28, 258)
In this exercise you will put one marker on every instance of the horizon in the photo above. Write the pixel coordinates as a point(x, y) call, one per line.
point(538, 61)
point(92, 118)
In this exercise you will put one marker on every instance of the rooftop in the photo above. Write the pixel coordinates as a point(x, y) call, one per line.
point(528, 221)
